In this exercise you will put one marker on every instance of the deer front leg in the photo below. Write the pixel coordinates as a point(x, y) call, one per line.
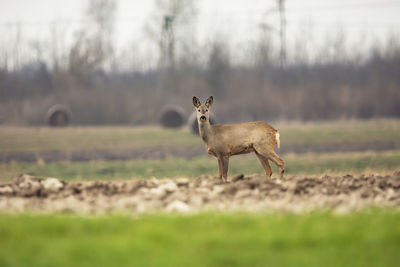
point(225, 166)
point(220, 169)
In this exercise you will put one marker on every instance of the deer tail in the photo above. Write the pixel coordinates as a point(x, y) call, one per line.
point(278, 142)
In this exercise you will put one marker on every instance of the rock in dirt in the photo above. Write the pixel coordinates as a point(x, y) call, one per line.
point(177, 206)
point(52, 185)
point(238, 178)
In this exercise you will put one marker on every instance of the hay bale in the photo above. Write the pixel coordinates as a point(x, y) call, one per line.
point(194, 126)
point(172, 116)
point(58, 116)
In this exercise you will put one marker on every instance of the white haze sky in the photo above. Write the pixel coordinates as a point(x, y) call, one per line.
point(237, 21)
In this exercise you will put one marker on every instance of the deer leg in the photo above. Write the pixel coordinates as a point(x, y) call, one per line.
point(220, 168)
point(225, 166)
point(265, 164)
point(278, 161)
point(271, 155)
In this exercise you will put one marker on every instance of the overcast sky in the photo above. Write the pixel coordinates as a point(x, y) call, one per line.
point(237, 20)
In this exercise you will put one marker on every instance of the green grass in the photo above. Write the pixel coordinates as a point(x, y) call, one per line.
point(340, 132)
point(193, 167)
point(33, 139)
point(369, 238)
point(30, 139)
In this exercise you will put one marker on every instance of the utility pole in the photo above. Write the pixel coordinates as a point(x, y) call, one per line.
point(167, 44)
point(282, 33)
point(167, 54)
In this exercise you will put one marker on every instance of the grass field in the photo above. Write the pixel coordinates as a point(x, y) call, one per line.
point(313, 164)
point(369, 238)
point(30, 139)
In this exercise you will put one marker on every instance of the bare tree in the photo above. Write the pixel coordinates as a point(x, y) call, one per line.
point(101, 14)
point(218, 67)
point(171, 27)
point(57, 46)
point(264, 49)
point(92, 45)
point(17, 46)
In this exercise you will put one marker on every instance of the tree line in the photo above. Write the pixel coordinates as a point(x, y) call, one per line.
point(95, 82)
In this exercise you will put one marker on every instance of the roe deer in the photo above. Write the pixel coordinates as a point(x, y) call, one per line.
point(223, 141)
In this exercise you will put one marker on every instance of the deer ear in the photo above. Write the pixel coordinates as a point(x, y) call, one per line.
point(196, 102)
point(209, 101)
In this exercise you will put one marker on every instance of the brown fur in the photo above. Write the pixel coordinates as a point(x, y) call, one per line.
point(223, 141)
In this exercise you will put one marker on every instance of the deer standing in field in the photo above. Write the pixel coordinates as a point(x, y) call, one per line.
point(223, 141)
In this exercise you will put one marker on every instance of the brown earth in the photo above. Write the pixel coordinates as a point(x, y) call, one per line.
point(163, 152)
point(254, 194)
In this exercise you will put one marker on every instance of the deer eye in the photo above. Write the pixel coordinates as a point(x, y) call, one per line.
point(206, 110)
point(198, 110)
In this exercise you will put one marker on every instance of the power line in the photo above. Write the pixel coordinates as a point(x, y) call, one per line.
point(387, 4)
point(295, 22)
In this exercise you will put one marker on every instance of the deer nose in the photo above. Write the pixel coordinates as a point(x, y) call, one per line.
point(202, 118)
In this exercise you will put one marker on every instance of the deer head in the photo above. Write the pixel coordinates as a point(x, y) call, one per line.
point(203, 110)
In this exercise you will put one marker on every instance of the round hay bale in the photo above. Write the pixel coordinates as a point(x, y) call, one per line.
point(58, 116)
point(172, 116)
point(193, 124)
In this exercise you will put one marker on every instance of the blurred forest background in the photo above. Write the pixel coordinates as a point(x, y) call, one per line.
point(266, 80)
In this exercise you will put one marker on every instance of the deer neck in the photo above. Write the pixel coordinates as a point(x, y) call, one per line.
point(205, 131)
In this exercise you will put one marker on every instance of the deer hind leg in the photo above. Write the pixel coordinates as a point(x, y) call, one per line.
point(278, 161)
point(271, 155)
point(265, 164)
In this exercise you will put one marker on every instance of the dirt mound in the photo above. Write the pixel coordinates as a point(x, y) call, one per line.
point(254, 194)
